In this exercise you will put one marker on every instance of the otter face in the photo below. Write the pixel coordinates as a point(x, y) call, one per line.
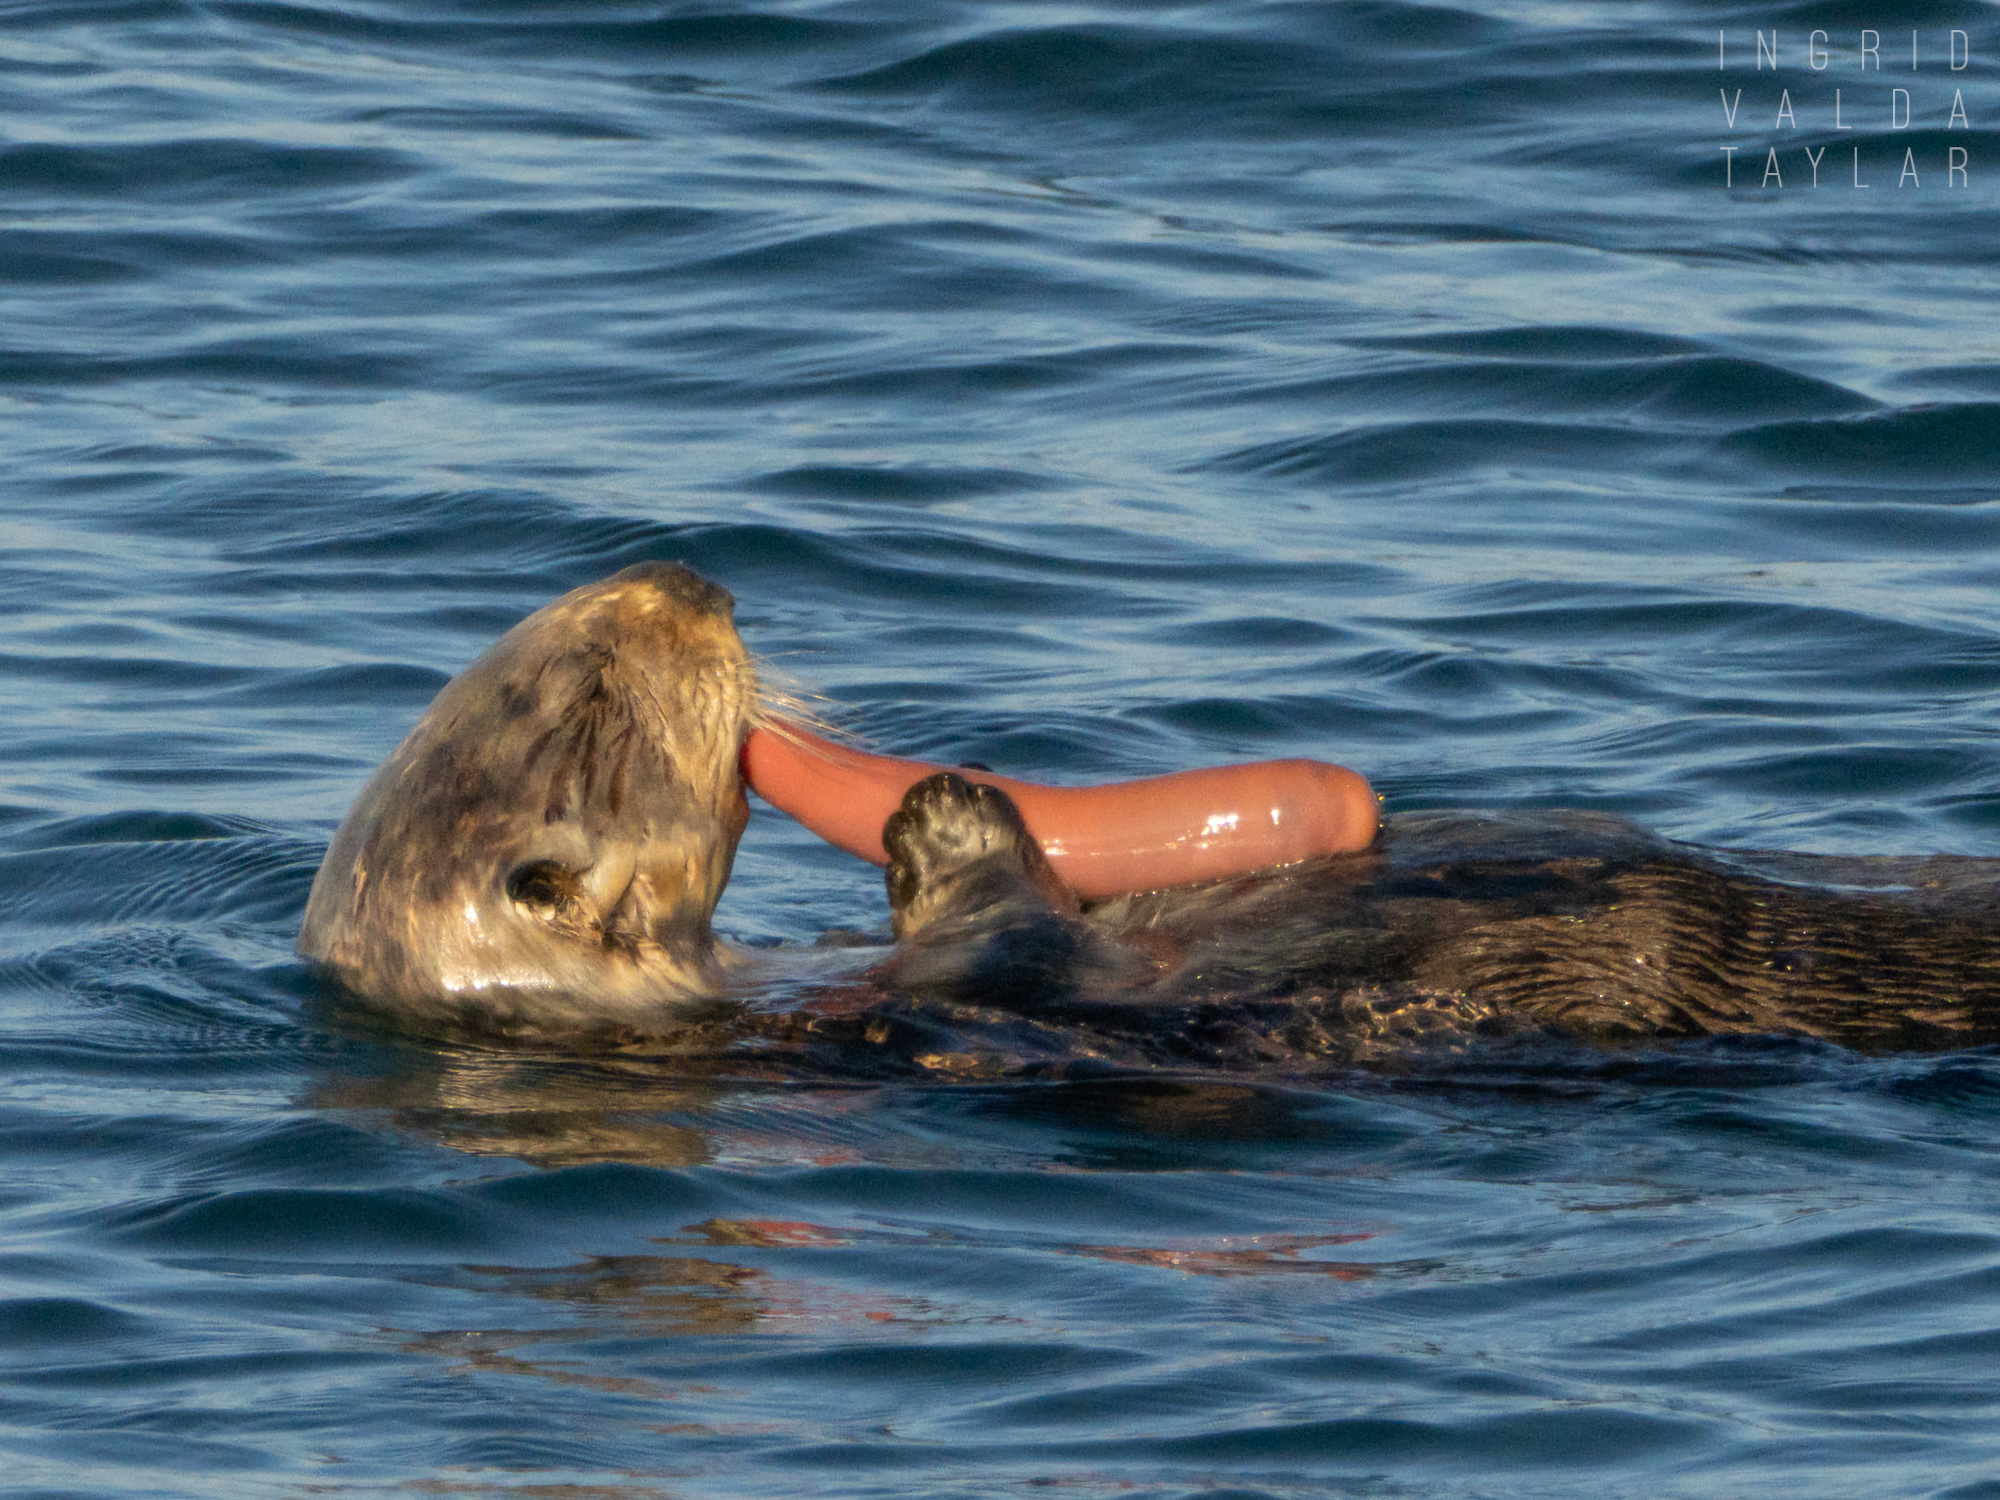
point(547, 845)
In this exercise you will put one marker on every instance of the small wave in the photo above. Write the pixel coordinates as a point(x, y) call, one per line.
point(1675, 390)
point(259, 879)
point(743, 32)
point(500, 121)
point(277, 360)
point(217, 170)
point(1393, 452)
point(400, 1222)
point(1585, 344)
point(1915, 445)
point(1119, 71)
point(68, 1324)
point(885, 485)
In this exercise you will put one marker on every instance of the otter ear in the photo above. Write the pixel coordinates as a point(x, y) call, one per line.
point(544, 884)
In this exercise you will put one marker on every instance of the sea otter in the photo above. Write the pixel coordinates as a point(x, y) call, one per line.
point(543, 854)
point(546, 847)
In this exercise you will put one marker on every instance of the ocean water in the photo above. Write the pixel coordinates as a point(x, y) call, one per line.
point(1090, 390)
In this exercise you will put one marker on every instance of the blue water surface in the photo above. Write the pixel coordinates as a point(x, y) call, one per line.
point(1089, 390)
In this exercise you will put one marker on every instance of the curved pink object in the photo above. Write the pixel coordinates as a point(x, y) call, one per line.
point(1102, 840)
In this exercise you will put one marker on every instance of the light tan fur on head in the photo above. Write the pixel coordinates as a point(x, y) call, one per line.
point(546, 847)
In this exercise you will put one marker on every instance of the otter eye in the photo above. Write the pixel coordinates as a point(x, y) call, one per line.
point(544, 883)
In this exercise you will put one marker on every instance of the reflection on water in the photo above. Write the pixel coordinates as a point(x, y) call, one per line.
point(1279, 1255)
point(559, 1111)
point(623, 1296)
point(551, 1111)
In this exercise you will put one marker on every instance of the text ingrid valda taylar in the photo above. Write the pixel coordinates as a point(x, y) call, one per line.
point(1839, 84)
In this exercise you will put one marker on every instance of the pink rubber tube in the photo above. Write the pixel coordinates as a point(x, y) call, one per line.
point(1102, 840)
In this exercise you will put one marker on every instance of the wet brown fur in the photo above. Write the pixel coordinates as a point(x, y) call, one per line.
point(1454, 927)
point(542, 856)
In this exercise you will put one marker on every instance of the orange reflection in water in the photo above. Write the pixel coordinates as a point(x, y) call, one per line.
point(771, 1233)
point(1260, 1256)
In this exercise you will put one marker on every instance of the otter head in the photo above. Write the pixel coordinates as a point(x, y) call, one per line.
point(546, 847)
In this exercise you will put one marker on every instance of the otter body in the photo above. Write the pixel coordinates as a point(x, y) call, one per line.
point(1455, 925)
point(541, 858)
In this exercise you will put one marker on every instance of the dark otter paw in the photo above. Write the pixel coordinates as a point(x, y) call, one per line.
point(945, 824)
point(956, 847)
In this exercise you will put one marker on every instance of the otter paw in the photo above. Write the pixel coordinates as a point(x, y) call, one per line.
point(959, 852)
point(945, 825)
